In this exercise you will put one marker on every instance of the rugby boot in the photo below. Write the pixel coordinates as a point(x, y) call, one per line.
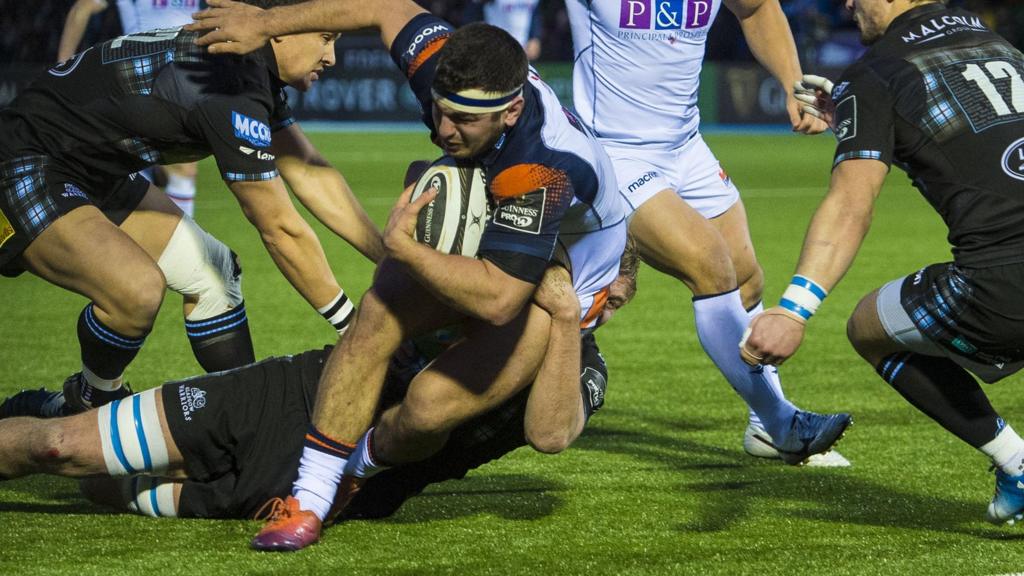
point(79, 397)
point(347, 490)
point(758, 443)
point(1007, 505)
point(36, 403)
point(810, 434)
point(288, 528)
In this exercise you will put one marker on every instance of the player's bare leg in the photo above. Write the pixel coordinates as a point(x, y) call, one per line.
point(674, 238)
point(84, 252)
point(732, 226)
point(482, 370)
point(90, 444)
point(395, 308)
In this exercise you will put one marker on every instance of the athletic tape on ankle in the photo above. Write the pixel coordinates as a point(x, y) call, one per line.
point(130, 434)
point(151, 496)
point(338, 312)
point(802, 297)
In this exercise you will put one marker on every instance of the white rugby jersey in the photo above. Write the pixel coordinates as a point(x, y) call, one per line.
point(514, 16)
point(141, 15)
point(638, 65)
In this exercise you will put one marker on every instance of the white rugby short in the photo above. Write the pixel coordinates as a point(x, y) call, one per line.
point(691, 170)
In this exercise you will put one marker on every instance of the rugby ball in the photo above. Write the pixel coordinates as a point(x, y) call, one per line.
point(454, 220)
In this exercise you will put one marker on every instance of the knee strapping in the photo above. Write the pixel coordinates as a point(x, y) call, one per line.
point(150, 496)
point(133, 441)
point(197, 264)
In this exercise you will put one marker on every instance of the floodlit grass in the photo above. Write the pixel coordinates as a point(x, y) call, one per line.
point(657, 485)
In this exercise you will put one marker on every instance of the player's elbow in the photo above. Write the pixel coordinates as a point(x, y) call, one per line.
point(549, 441)
point(501, 310)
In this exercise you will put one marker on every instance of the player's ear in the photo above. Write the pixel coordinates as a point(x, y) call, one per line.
point(514, 111)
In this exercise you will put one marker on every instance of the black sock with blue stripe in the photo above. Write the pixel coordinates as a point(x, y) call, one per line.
point(105, 352)
point(222, 342)
point(945, 392)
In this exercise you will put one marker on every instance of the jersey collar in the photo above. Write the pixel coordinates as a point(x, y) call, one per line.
point(913, 14)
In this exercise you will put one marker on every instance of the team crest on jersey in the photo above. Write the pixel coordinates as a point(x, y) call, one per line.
point(1013, 160)
point(523, 213)
point(192, 400)
point(664, 14)
point(251, 130)
point(846, 117)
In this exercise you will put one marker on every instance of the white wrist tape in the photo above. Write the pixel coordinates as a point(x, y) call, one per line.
point(338, 312)
point(802, 297)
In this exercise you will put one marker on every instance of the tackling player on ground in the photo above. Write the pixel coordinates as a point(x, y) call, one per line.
point(942, 97)
point(73, 213)
point(222, 445)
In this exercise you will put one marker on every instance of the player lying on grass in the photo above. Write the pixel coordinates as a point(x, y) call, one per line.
point(222, 445)
point(905, 102)
point(73, 213)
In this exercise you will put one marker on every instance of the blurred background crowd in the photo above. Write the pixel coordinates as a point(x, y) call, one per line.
point(825, 35)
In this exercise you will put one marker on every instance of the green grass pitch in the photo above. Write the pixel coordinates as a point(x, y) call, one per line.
point(657, 485)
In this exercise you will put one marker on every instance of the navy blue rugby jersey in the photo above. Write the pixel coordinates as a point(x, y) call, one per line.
point(150, 98)
point(551, 185)
point(942, 97)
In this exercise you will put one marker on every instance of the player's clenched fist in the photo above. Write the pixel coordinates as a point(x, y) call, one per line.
point(772, 337)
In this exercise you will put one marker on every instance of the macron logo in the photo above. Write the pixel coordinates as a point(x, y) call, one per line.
point(252, 131)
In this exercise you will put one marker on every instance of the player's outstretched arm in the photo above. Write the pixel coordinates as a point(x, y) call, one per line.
point(833, 239)
point(291, 242)
point(475, 287)
point(324, 191)
point(554, 411)
point(767, 32)
point(234, 27)
point(75, 24)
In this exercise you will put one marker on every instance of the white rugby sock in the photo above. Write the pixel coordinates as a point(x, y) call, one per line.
point(362, 463)
point(107, 385)
point(770, 371)
point(1006, 451)
point(319, 474)
point(182, 191)
point(721, 320)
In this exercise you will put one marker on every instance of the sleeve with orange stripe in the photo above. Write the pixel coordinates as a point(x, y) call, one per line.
point(415, 49)
point(530, 201)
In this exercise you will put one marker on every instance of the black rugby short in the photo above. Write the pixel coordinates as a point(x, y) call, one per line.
point(240, 432)
point(977, 313)
point(34, 193)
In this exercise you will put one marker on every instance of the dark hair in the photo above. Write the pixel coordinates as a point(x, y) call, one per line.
point(480, 56)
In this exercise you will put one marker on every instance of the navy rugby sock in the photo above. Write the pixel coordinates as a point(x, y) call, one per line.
point(105, 352)
point(945, 392)
point(222, 342)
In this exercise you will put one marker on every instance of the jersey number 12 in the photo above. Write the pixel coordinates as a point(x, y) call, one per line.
point(999, 69)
